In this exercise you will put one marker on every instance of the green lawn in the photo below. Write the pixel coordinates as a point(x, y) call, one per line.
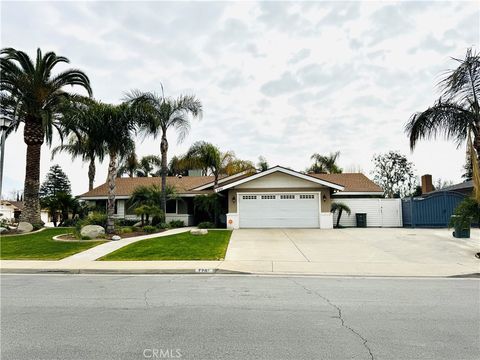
point(183, 246)
point(41, 246)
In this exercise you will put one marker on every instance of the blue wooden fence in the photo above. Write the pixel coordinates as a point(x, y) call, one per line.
point(430, 211)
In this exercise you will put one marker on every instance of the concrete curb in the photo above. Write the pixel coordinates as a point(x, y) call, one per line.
point(216, 271)
point(120, 271)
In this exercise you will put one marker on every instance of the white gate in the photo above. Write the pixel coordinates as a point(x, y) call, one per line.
point(380, 212)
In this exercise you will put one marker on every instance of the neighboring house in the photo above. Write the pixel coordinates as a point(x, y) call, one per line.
point(465, 188)
point(275, 198)
point(11, 210)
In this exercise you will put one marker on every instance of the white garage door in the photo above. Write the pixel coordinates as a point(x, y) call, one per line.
point(284, 210)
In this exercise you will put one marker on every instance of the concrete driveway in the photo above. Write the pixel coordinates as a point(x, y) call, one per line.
point(353, 251)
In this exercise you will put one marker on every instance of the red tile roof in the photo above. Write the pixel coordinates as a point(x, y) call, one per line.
point(353, 182)
point(126, 186)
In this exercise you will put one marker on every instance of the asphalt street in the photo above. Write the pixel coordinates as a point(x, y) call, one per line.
point(238, 317)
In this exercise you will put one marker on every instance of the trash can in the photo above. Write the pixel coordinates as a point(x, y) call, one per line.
point(361, 219)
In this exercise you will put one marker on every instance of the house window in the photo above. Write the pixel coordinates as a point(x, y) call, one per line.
point(182, 206)
point(249, 197)
point(285, 197)
point(129, 209)
point(307, 196)
point(171, 206)
point(268, 197)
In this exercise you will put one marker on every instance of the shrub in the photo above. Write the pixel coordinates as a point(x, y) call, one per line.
point(126, 230)
point(156, 220)
point(466, 213)
point(37, 226)
point(95, 218)
point(206, 225)
point(162, 225)
point(126, 222)
point(70, 222)
point(149, 229)
point(176, 223)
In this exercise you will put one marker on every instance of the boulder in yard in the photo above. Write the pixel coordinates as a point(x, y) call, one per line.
point(116, 238)
point(199, 231)
point(138, 224)
point(3, 230)
point(92, 231)
point(24, 227)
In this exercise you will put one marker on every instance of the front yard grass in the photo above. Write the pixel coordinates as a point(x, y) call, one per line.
point(41, 246)
point(183, 246)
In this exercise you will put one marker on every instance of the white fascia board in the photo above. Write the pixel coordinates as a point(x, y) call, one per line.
point(347, 193)
point(210, 184)
point(126, 197)
point(120, 197)
point(282, 170)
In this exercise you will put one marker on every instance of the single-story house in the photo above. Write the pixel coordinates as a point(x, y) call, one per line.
point(11, 211)
point(277, 197)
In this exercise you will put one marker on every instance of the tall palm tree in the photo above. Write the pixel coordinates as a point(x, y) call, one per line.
point(176, 167)
point(113, 129)
point(147, 164)
point(128, 165)
point(456, 114)
point(206, 156)
point(30, 94)
point(81, 137)
point(325, 164)
point(160, 113)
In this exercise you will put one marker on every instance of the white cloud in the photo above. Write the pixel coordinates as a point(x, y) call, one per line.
point(278, 79)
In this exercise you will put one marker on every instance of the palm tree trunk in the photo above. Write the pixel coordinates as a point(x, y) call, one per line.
point(164, 169)
point(112, 171)
point(476, 146)
point(339, 216)
point(91, 173)
point(33, 136)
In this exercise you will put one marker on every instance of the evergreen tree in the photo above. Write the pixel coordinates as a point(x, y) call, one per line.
point(55, 182)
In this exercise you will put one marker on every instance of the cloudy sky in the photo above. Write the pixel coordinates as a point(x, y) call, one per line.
point(278, 79)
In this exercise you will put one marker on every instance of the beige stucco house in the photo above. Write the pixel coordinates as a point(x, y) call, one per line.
point(277, 197)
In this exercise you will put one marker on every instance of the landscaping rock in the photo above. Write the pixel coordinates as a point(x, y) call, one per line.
point(3, 230)
point(138, 224)
point(92, 231)
point(24, 227)
point(199, 231)
point(116, 238)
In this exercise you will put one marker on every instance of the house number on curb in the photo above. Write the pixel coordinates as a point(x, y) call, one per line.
point(204, 270)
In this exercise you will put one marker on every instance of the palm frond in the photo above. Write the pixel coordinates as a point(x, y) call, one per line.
point(444, 118)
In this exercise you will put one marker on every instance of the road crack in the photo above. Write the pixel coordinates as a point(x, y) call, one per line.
point(145, 297)
point(340, 317)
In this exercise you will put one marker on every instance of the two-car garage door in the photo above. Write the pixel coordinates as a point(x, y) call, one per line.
point(278, 210)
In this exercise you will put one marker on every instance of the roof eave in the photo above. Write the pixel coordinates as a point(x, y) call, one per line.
point(282, 170)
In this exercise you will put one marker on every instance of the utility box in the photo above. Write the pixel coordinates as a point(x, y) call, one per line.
point(361, 220)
